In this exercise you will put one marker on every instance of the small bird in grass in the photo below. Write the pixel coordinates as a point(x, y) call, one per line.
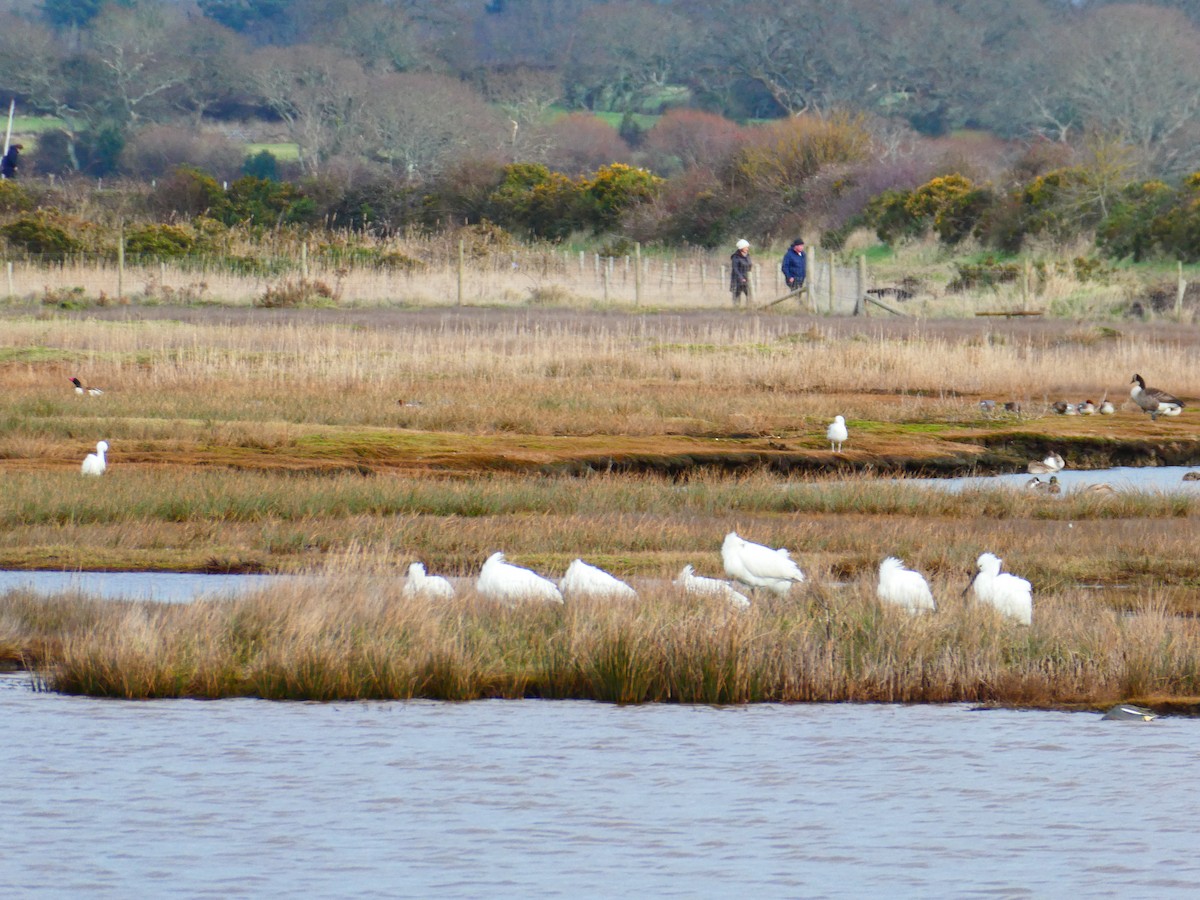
point(702, 586)
point(80, 389)
point(1152, 400)
point(759, 566)
point(836, 434)
point(904, 587)
point(1044, 487)
point(584, 580)
point(93, 463)
point(1008, 594)
point(501, 580)
point(429, 587)
point(1052, 463)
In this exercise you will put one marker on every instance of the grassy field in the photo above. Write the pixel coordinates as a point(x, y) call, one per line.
point(348, 443)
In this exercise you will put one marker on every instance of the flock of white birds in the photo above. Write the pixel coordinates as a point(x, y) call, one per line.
point(749, 566)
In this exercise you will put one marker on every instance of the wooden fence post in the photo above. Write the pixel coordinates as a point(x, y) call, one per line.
point(461, 263)
point(1180, 289)
point(637, 273)
point(120, 258)
point(860, 289)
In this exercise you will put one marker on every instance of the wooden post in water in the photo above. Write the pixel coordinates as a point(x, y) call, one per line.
point(461, 263)
point(637, 273)
point(860, 289)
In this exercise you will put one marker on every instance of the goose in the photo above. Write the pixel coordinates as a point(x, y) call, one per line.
point(80, 389)
point(1127, 712)
point(1044, 487)
point(501, 580)
point(836, 434)
point(1010, 595)
point(93, 463)
point(904, 587)
point(758, 566)
point(429, 587)
point(583, 580)
point(701, 586)
point(1087, 408)
point(1052, 463)
point(1152, 400)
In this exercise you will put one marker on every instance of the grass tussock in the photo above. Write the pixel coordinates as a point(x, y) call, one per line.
point(350, 636)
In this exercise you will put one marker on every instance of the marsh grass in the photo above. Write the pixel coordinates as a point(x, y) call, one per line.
point(350, 636)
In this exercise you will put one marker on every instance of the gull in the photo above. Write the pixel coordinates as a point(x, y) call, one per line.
point(93, 463)
point(1152, 400)
point(430, 587)
point(758, 566)
point(836, 434)
point(1008, 594)
point(701, 586)
point(904, 587)
point(583, 580)
point(501, 580)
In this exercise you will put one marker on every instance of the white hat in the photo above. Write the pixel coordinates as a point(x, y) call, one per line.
point(743, 244)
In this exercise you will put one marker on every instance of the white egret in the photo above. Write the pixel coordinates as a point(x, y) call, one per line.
point(93, 463)
point(904, 587)
point(836, 434)
point(702, 586)
point(429, 587)
point(501, 580)
point(1010, 595)
point(757, 566)
point(1152, 400)
point(584, 580)
point(80, 389)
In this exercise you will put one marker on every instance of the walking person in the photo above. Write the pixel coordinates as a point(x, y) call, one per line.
point(795, 265)
point(9, 161)
point(739, 272)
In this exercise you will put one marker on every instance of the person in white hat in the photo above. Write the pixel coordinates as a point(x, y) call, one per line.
point(739, 272)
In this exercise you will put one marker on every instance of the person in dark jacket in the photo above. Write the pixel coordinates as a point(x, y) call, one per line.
point(739, 272)
point(8, 162)
point(795, 265)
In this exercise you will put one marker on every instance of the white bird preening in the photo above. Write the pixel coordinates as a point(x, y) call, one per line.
point(1048, 466)
point(758, 566)
point(428, 587)
point(80, 389)
point(1010, 595)
point(904, 587)
point(837, 434)
point(93, 463)
point(501, 580)
point(584, 580)
point(702, 586)
point(1152, 400)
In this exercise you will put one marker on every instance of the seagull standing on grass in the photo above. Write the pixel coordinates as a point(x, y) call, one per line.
point(501, 580)
point(701, 586)
point(93, 463)
point(583, 580)
point(904, 587)
point(1008, 594)
point(836, 433)
point(758, 566)
point(429, 587)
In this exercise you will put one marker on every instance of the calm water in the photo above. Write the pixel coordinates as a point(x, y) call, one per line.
point(164, 587)
point(520, 799)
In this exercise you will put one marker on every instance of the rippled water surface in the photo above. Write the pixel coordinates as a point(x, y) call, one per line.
point(522, 799)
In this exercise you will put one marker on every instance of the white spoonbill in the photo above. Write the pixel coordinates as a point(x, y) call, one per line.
point(93, 463)
point(428, 587)
point(501, 580)
point(1152, 400)
point(757, 566)
point(904, 587)
point(584, 580)
point(699, 585)
point(1010, 595)
point(836, 434)
point(1048, 466)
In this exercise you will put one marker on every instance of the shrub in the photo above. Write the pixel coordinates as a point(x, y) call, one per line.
point(14, 198)
point(38, 234)
point(161, 241)
point(298, 292)
point(986, 274)
point(189, 192)
point(613, 190)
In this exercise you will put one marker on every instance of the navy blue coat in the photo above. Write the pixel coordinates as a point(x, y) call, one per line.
point(794, 267)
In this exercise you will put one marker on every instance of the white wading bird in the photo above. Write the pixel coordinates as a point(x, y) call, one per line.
point(80, 389)
point(1152, 400)
point(757, 566)
point(836, 434)
point(699, 585)
point(1010, 595)
point(501, 580)
point(583, 580)
point(1048, 466)
point(93, 463)
point(904, 587)
point(429, 587)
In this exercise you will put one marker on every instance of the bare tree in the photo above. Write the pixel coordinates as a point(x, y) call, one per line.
point(138, 47)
